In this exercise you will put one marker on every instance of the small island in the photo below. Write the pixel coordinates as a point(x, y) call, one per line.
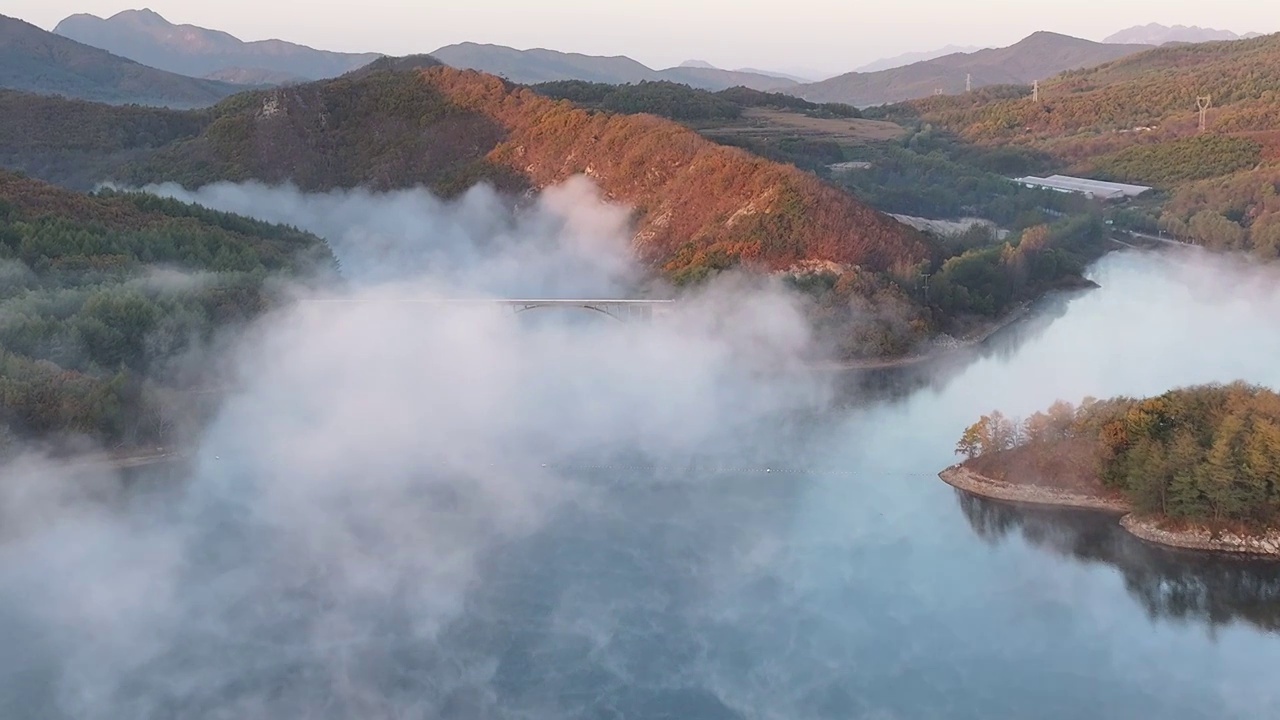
point(1196, 468)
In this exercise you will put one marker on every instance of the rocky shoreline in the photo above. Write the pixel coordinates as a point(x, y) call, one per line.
point(965, 479)
point(1149, 529)
point(1145, 529)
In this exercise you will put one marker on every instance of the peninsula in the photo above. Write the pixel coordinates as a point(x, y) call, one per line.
point(1196, 468)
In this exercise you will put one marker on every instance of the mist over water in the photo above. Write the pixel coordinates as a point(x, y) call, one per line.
point(467, 514)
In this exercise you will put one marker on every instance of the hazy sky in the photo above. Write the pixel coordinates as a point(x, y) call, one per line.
point(830, 35)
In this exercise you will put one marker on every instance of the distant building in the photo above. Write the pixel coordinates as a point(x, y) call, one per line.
point(1084, 186)
point(848, 166)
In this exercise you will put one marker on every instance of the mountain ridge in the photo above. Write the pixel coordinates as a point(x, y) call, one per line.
point(1035, 57)
point(147, 37)
point(35, 60)
point(1157, 34)
point(539, 65)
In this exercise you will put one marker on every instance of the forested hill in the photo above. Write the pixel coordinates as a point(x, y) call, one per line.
point(699, 205)
point(38, 61)
point(102, 297)
point(1209, 453)
point(1154, 88)
point(1136, 120)
point(145, 36)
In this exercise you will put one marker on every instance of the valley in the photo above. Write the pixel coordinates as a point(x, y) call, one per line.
point(338, 382)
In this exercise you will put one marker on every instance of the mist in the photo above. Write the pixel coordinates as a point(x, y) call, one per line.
point(409, 510)
point(374, 455)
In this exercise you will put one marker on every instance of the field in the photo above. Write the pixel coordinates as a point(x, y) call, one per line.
point(771, 124)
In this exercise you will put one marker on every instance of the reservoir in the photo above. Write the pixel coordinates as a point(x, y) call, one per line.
point(826, 574)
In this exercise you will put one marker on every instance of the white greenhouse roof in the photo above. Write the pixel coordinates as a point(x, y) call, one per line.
point(1085, 186)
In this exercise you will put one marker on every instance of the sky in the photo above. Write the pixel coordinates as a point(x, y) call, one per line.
point(827, 35)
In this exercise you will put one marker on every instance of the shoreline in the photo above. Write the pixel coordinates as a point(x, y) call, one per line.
point(962, 478)
point(940, 351)
point(1143, 528)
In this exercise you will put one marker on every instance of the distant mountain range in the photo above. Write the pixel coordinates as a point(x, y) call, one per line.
point(540, 65)
point(38, 61)
point(914, 57)
point(1157, 34)
point(148, 38)
point(1036, 57)
point(703, 64)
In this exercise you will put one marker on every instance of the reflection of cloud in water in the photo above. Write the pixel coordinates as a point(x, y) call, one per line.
point(1169, 584)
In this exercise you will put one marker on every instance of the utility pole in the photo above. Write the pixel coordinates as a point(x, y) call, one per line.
point(968, 83)
point(1203, 104)
point(1035, 92)
point(926, 288)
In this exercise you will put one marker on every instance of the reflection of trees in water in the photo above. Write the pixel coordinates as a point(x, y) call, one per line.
point(895, 383)
point(1169, 584)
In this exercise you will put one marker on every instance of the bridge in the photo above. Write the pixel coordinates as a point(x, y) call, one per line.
point(624, 310)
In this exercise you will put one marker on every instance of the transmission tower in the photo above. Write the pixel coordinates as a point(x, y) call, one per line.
point(1203, 104)
point(968, 83)
point(1035, 92)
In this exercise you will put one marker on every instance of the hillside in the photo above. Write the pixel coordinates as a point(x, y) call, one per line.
point(1136, 120)
point(697, 202)
point(34, 60)
point(93, 335)
point(529, 67)
point(1157, 34)
point(1039, 56)
point(148, 38)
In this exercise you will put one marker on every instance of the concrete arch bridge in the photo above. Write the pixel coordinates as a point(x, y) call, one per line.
point(620, 309)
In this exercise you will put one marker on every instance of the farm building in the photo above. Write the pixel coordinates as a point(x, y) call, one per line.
point(1092, 188)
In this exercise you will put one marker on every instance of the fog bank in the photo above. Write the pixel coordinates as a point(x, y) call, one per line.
point(374, 454)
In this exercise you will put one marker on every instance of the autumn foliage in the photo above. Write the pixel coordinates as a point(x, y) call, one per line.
point(1209, 453)
point(696, 201)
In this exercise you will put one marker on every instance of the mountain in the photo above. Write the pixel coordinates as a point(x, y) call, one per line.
point(538, 65)
point(699, 205)
point(38, 61)
point(811, 77)
point(914, 57)
point(704, 65)
point(1036, 57)
point(448, 128)
point(148, 38)
point(715, 79)
point(529, 67)
point(1157, 34)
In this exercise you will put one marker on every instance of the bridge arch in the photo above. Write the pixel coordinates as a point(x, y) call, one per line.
point(592, 308)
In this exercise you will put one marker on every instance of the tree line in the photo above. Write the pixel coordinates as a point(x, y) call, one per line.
point(677, 101)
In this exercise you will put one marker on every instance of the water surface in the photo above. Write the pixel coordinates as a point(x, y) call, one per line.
point(847, 582)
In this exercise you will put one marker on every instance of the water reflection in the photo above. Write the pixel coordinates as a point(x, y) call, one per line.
point(1169, 584)
point(887, 385)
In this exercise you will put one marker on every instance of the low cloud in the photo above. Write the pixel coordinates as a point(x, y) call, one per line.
point(376, 459)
